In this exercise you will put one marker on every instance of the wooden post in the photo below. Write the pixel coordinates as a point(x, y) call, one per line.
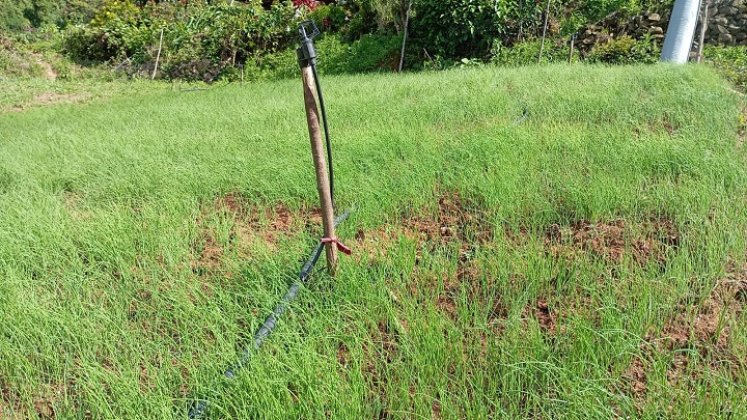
point(404, 36)
point(703, 30)
point(320, 164)
point(544, 32)
point(573, 44)
point(158, 56)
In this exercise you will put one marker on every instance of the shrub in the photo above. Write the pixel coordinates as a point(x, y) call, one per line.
point(85, 44)
point(370, 53)
point(731, 62)
point(526, 53)
point(626, 50)
point(329, 18)
point(456, 28)
point(222, 34)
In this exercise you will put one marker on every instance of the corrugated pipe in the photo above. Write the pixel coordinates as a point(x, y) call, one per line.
point(680, 31)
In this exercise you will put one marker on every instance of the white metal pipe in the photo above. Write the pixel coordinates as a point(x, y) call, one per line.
point(681, 31)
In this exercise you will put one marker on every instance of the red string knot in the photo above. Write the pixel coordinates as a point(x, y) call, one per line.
point(340, 246)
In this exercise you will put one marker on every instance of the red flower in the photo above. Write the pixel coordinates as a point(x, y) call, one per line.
point(309, 4)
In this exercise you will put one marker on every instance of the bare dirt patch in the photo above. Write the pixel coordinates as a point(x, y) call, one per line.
point(546, 317)
point(664, 123)
point(636, 378)
point(456, 226)
point(73, 204)
point(612, 240)
point(436, 410)
point(52, 98)
point(251, 225)
point(343, 355)
point(704, 333)
point(456, 221)
point(10, 401)
point(708, 331)
point(47, 400)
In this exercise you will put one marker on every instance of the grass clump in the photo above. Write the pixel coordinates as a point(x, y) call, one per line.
point(585, 261)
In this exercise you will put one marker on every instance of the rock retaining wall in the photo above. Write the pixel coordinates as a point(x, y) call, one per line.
point(727, 25)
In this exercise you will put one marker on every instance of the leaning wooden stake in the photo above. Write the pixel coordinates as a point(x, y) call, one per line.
point(320, 164)
point(158, 57)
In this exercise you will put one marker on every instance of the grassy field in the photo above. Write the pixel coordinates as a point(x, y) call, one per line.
point(587, 261)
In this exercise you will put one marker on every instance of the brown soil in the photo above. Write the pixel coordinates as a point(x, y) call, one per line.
point(635, 376)
point(547, 319)
point(705, 332)
point(53, 98)
point(708, 331)
point(455, 221)
point(664, 124)
point(45, 402)
point(343, 355)
point(72, 202)
point(609, 240)
point(446, 304)
point(9, 401)
point(248, 229)
point(388, 341)
point(436, 410)
point(47, 399)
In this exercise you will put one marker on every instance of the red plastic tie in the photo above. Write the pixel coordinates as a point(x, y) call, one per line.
point(340, 246)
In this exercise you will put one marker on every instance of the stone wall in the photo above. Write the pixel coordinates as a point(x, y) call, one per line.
point(727, 25)
point(648, 23)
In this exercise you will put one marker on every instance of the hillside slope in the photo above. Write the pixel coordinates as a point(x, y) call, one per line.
point(584, 260)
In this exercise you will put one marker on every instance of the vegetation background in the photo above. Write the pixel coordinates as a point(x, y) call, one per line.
point(209, 40)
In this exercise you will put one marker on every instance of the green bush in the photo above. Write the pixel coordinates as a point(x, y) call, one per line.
point(526, 53)
point(329, 18)
point(730, 62)
point(198, 38)
point(369, 54)
point(360, 19)
point(456, 28)
point(626, 50)
point(18, 15)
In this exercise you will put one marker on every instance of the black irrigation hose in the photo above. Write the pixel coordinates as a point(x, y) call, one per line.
point(524, 115)
point(199, 407)
point(330, 166)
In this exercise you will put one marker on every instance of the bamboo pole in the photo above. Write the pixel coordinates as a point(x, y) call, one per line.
point(158, 56)
point(320, 164)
